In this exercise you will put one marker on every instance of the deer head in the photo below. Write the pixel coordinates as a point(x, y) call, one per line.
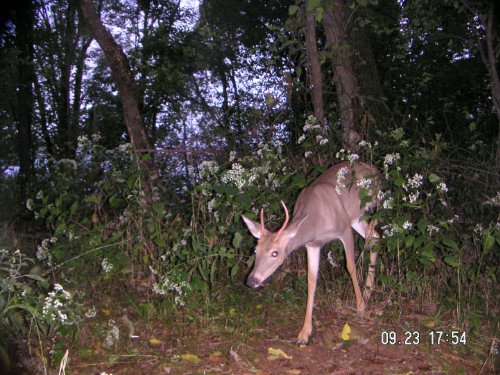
point(271, 248)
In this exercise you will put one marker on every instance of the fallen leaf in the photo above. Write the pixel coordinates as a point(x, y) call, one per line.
point(430, 323)
point(234, 355)
point(154, 342)
point(277, 353)
point(190, 358)
point(232, 312)
point(346, 332)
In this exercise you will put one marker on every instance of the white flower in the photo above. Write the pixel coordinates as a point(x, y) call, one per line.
point(352, 157)
point(479, 229)
point(232, 155)
point(380, 195)
point(301, 139)
point(29, 204)
point(413, 197)
point(442, 187)
point(432, 229)
point(364, 183)
point(307, 154)
point(388, 204)
point(91, 313)
point(323, 142)
point(107, 267)
point(407, 225)
point(390, 159)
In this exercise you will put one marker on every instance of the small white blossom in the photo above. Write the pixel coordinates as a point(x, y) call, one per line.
point(352, 157)
point(479, 229)
point(407, 225)
point(91, 313)
point(442, 187)
point(364, 183)
point(107, 267)
point(323, 142)
point(432, 229)
point(388, 204)
point(332, 261)
point(29, 204)
point(232, 155)
point(301, 139)
point(113, 334)
point(307, 154)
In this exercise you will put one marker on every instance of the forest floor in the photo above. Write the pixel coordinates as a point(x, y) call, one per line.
point(242, 331)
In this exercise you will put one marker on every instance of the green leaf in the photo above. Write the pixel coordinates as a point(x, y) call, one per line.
point(115, 201)
point(237, 240)
point(409, 241)
point(449, 242)
point(434, 178)
point(292, 9)
point(160, 242)
point(159, 208)
point(488, 241)
point(234, 271)
point(452, 261)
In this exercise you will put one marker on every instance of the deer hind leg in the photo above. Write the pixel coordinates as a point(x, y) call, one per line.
point(313, 255)
point(348, 241)
point(371, 236)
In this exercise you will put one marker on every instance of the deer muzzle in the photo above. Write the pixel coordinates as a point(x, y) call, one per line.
point(253, 282)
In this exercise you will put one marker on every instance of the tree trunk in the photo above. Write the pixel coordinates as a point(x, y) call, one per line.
point(315, 76)
point(122, 76)
point(348, 96)
point(24, 22)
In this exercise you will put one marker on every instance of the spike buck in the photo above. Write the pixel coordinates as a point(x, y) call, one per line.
point(326, 210)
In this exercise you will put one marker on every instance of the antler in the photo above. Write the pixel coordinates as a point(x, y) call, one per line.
point(262, 221)
point(287, 217)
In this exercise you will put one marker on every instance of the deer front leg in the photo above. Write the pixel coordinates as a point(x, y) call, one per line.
point(313, 255)
point(348, 241)
point(372, 238)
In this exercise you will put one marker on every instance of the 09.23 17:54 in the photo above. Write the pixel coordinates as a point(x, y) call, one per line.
point(414, 338)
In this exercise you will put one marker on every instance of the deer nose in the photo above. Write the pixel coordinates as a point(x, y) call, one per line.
point(252, 282)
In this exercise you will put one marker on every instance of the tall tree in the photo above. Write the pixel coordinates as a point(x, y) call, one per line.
point(313, 62)
point(24, 20)
point(123, 78)
point(350, 101)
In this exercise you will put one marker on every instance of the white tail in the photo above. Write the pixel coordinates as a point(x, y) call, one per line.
point(327, 210)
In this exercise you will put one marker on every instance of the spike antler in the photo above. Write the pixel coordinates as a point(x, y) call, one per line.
point(287, 218)
point(262, 221)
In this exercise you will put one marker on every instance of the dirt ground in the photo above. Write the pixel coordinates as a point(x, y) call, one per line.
point(246, 332)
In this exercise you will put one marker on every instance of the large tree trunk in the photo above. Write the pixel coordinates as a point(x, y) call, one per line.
point(348, 96)
point(122, 76)
point(24, 22)
point(315, 76)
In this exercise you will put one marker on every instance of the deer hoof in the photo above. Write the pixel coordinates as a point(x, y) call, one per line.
point(303, 338)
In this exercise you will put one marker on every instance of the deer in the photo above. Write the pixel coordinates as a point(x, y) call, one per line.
point(327, 210)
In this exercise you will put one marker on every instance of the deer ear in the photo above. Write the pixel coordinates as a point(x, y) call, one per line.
point(253, 226)
point(293, 228)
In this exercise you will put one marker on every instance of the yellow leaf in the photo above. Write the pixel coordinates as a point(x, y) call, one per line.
point(190, 358)
point(278, 353)
point(346, 332)
point(106, 312)
point(232, 312)
point(259, 307)
point(430, 323)
point(154, 342)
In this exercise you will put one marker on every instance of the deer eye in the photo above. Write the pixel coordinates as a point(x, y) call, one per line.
point(274, 254)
